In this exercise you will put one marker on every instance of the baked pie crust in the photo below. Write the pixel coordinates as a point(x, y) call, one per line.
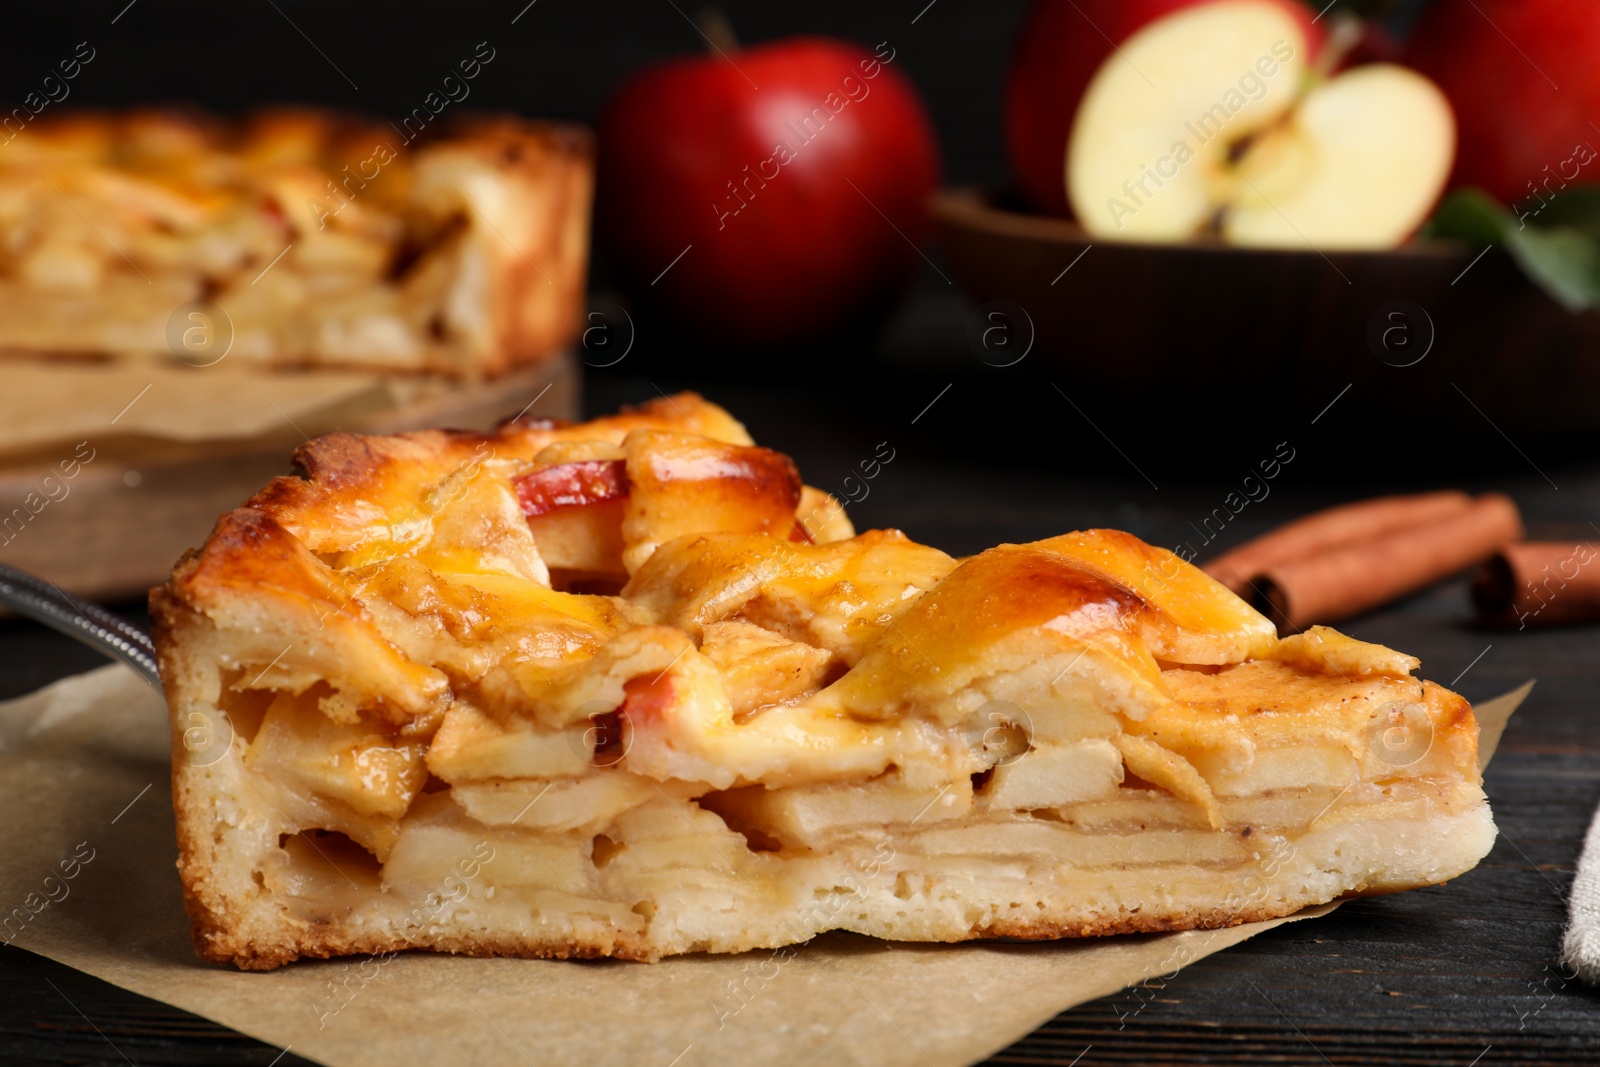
point(627, 688)
point(307, 238)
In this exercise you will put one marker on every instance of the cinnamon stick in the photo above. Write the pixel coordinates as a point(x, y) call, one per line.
point(1539, 583)
point(1345, 581)
point(1336, 527)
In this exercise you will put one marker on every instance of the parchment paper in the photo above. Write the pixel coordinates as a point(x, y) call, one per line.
point(89, 850)
point(50, 404)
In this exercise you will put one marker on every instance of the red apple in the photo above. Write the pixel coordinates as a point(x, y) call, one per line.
point(770, 195)
point(1522, 77)
point(1058, 50)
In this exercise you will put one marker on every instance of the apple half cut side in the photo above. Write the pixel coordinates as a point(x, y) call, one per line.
point(1149, 155)
point(1210, 120)
point(1359, 164)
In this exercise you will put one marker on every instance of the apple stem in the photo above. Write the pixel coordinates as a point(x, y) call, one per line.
point(1344, 36)
point(717, 29)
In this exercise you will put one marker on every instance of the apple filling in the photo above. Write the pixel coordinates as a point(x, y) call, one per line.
point(598, 510)
point(697, 773)
point(591, 846)
point(294, 239)
point(435, 734)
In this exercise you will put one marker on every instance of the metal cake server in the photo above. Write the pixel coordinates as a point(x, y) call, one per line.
point(81, 620)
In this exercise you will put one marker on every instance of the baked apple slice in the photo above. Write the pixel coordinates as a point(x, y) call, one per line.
point(598, 510)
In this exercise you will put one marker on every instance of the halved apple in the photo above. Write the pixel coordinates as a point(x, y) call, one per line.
point(1212, 119)
point(1359, 164)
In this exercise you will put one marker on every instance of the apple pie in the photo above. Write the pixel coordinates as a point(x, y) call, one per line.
point(629, 688)
point(295, 238)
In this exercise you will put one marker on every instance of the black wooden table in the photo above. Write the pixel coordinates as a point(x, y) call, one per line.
point(1461, 974)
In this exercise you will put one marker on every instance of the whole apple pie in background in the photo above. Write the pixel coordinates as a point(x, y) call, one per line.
point(326, 241)
point(628, 688)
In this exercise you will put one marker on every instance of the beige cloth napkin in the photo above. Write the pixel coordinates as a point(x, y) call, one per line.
point(90, 849)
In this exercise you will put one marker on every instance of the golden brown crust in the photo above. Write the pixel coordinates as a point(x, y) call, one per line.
point(541, 273)
point(214, 943)
point(349, 483)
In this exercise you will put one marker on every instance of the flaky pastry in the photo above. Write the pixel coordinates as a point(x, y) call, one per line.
point(628, 688)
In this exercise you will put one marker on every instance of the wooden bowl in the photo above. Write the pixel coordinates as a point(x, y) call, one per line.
point(1436, 333)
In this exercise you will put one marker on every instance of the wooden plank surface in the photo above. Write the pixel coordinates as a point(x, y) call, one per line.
point(1461, 974)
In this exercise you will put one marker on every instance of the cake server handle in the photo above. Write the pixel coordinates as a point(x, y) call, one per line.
point(81, 620)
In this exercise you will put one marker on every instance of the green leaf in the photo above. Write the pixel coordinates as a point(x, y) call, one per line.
point(1557, 244)
point(1469, 215)
point(1563, 261)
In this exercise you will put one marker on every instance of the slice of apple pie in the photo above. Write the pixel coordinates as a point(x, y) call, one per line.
point(628, 688)
point(295, 238)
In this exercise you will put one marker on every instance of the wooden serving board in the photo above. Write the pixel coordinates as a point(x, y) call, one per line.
point(112, 527)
